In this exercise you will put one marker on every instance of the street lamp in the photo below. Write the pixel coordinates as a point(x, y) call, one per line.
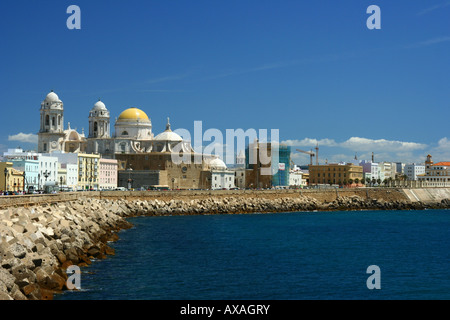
point(24, 180)
point(6, 173)
point(129, 177)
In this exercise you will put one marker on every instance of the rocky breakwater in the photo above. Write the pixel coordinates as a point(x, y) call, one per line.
point(236, 205)
point(37, 244)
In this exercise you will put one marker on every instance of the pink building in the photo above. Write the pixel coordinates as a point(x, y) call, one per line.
point(108, 174)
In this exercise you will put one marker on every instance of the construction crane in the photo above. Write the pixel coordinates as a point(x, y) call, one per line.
point(312, 154)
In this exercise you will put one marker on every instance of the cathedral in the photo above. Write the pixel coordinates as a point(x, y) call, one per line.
point(143, 158)
point(132, 132)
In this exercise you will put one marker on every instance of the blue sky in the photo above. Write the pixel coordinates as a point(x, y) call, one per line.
point(311, 69)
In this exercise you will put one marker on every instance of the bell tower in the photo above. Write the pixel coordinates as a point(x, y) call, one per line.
point(51, 130)
point(99, 126)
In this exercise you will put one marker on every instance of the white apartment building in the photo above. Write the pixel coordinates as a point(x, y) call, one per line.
point(48, 170)
point(413, 170)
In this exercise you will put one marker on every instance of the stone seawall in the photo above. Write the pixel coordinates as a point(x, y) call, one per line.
point(40, 236)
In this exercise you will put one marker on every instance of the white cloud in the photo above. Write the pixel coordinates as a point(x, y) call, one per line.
point(430, 42)
point(359, 144)
point(442, 151)
point(308, 142)
point(364, 144)
point(435, 7)
point(24, 137)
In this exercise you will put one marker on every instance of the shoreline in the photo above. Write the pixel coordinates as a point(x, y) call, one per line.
point(39, 242)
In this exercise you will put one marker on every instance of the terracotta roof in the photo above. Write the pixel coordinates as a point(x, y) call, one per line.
point(445, 163)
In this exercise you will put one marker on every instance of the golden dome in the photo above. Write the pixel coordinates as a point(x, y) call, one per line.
point(133, 114)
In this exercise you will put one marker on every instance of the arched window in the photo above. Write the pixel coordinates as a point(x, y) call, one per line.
point(47, 120)
point(124, 133)
point(53, 121)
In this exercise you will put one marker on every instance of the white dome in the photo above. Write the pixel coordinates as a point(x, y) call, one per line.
point(52, 97)
point(168, 136)
point(217, 164)
point(99, 106)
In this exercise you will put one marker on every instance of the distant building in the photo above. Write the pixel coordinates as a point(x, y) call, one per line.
point(221, 177)
point(413, 170)
point(281, 174)
point(10, 179)
point(436, 174)
point(108, 173)
point(296, 178)
point(28, 163)
point(341, 174)
point(88, 171)
point(258, 164)
point(371, 170)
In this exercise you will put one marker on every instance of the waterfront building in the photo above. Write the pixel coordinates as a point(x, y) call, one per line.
point(71, 180)
point(413, 170)
point(436, 174)
point(296, 178)
point(108, 173)
point(239, 177)
point(221, 177)
point(48, 171)
point(371, 170)
point(26, 162)
point(11, 179)
point(88, 171)
point(335, 173)
point(280, 176)
point(399, 168)
point(258, 164)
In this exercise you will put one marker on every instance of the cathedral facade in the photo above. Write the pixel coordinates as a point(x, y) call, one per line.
point(132, 132)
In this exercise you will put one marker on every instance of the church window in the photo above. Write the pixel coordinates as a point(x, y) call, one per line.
point(47, 120)
point(125, 133)
point(53, 121)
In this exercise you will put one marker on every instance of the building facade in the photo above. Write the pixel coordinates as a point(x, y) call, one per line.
point(11, 179)
point(108, 174)
point(88, 171)
point(413, 170)
point(436, 174)
point(335, 173)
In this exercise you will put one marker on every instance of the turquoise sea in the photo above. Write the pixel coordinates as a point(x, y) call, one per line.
point(282, 256)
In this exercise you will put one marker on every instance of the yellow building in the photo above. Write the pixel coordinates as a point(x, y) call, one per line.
point(10, 178)
point(334, 173)
point(88, 171)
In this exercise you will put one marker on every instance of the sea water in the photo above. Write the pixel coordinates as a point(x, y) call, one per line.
point(282, 256)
